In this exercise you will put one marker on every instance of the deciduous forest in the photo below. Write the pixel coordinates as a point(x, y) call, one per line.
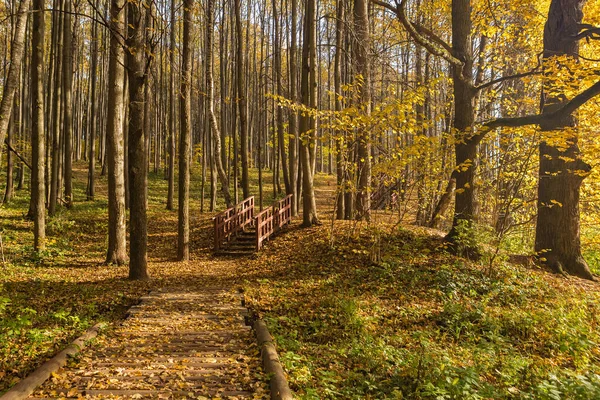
point(336, 199)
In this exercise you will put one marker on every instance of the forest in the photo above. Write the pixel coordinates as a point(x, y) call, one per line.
point(438, 160)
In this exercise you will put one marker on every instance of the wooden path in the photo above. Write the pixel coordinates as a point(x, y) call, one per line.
point(175, 344)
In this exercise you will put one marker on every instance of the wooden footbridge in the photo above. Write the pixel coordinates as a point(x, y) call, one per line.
point(239, 230)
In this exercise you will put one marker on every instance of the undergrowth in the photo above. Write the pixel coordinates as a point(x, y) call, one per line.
point(421, 323)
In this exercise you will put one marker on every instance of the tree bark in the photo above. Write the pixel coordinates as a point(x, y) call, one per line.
point(12, 78)
point(183, 243)
point(211, 107)
point(561, 173)
point(68, 104)
point(117, 245)
point(241, 100)
point(361, 49)
point(137, 165)
point(172, 110)
point(38, 189)
point(308, 124)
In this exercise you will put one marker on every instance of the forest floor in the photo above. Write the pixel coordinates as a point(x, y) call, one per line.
point(359, 311)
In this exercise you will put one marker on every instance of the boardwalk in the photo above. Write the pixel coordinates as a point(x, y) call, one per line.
point(175, 344)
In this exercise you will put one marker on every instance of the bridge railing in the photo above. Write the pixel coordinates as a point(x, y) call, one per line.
point(231, 221)
point(272, 219)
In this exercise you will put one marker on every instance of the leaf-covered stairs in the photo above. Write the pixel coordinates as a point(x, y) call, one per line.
point(175, 344)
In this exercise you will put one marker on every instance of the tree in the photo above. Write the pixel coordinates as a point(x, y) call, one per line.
point(67, 81)
point(136, 146)
point(117, 245)
point(172, 110)
point(12, 79)
point(308, 123)
point(561, 173)
point(38, 188)
point(242, 106)
point(361, 49)
point(183, 243)
point(211, 106)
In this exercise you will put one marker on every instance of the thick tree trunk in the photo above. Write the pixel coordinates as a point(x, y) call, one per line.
point(12, 79)
point(137, 168)
point(293, 126)
point(183, 243)
point(117, 245)
point(38, 190)
point(561, 173)
point(464, 118)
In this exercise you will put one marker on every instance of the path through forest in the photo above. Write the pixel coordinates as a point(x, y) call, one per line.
point(177, 343)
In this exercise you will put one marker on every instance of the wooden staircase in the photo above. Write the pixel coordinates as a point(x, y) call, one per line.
point(239, 231)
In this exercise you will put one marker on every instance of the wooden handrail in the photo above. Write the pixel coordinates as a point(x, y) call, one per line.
point(231, 221)
point(273, 219)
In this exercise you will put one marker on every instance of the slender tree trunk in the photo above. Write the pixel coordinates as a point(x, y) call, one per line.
point(293, 144)
point(68, 103)
point(172, 111)
point(337, 76)
point(183, 243)
point(117, 245)
point(211, 100)
point(242, 103)
point(38, 190)
point(58, 21)
point(92, 123)
point(12, 79)
point(308, 124)
point(361, 49)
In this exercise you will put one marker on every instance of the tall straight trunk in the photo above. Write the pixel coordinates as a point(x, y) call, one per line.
point(308, 124)
point(561, 173)
point(464, 118)
point(92, 123)
point(137, 165)
point(361, 48)
point(38, 190)
point(10, 158)
point(183, 243)
point(117, 245)
point(337, 77)
point(241, 96)
point(12, 78)
point(293, 130)
point(172, 111)
point(278, 79)
point(58, 21)
point(211, 107)
point(68, 104)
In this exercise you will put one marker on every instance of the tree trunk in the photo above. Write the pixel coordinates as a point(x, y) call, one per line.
point(12, 80)
point(211, 97)
point(361, 49)
point(38, 190)
point(56, 112)
point(183, 243)
point(242, 102)
point(561, 173)
point(117, 245)
point(308, 125)
point(137, 165)
point(337, 77)
point(68, 103)
point(172, 110)
point(92, 123)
